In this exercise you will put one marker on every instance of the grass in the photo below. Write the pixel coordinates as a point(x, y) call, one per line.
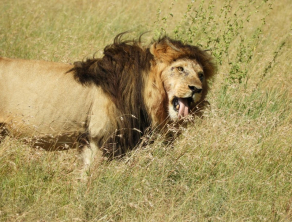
point(235, 164)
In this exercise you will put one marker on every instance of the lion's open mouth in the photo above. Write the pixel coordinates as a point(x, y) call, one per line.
point(182, 105)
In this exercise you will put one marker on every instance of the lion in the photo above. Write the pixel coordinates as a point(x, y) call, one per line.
point(104, 104)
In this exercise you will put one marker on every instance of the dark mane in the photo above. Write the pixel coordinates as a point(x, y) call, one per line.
point(120, 73)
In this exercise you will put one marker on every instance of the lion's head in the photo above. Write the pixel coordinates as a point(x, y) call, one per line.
point(184, 72)
point(183, 82)
point(149, 86)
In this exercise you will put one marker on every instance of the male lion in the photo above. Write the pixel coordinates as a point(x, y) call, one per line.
point(105, 103)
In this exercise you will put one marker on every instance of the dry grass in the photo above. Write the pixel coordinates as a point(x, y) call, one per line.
point(233, 165)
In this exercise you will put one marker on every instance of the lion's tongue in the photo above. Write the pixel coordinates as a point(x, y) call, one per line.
point(183, 107)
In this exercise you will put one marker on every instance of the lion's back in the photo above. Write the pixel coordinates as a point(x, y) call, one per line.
point(39, 97)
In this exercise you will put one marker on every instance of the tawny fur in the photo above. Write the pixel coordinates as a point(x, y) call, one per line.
point(102, 103)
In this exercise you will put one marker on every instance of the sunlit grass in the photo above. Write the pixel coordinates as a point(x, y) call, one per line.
point(235, 164)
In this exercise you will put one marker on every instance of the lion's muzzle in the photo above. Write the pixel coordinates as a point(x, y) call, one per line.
point(195, 89)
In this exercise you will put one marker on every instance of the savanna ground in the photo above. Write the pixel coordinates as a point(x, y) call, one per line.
point(235, 164)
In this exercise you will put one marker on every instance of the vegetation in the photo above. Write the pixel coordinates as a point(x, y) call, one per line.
point(235, 164)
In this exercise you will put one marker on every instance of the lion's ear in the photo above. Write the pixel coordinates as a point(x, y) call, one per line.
point(164, 50)
point(153, 50)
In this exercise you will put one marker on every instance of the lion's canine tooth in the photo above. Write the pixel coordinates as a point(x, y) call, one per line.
point(177, 107)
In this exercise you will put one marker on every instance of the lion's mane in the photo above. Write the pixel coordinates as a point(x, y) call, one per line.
point(121, 73)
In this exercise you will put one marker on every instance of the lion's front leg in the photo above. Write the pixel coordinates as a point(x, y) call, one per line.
point(89, 153)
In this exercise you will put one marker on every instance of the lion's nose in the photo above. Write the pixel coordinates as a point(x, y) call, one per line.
point(195, 89)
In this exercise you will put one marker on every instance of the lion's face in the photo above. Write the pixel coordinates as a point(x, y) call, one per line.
point(183, 82)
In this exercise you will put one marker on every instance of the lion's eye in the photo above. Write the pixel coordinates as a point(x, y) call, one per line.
point(181, 69)
point(201, 76)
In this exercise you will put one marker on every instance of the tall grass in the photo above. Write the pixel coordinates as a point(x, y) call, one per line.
point(235, 164)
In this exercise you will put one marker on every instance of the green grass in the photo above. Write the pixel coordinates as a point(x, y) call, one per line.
point(235, 164)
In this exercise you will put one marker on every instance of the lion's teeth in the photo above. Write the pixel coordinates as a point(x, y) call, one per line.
point(177, 107)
